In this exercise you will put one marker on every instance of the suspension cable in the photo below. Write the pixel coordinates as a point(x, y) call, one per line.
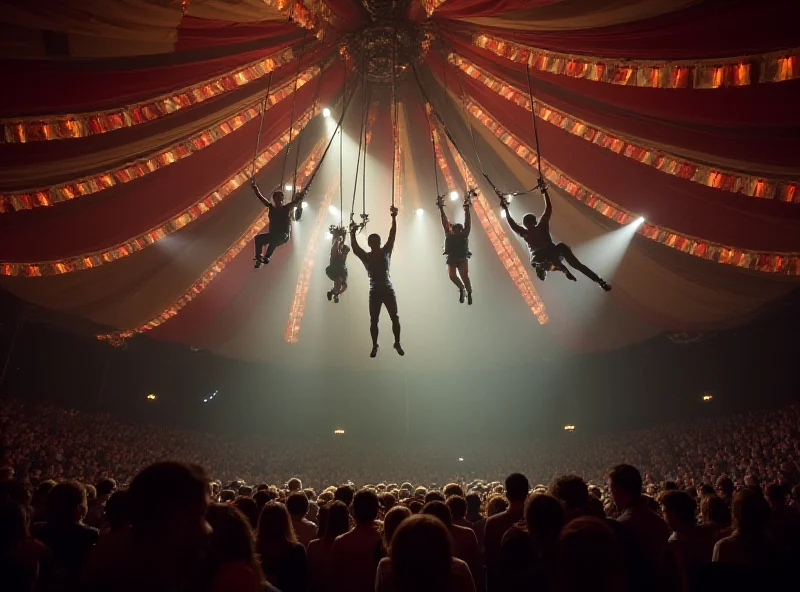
point(315, 106)
point(360, 141)
point(294, 102)
point(433, 145)
point(261, 124)
point(395, 139)
point(364, 165)
point(469, 122)
point(341, 154)
point(535, 126)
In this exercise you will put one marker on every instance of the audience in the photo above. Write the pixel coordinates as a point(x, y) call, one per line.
point(356, 553)
point(516, 488)
point(304, 530)
point(283, 559)
point(336, 520)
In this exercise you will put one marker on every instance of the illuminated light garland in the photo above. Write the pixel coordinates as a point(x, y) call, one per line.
point(60, 127)
point(768, 262)
point(777, 66)
point(432, 5)
point(494, 230)
point(298, 308)
point(146, 239)
point(211, 272)
point(725, 180)
point(28, 199)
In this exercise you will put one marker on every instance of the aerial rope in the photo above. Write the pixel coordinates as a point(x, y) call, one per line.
point(361, 137)
point(261, 123)
point(291, 117)
point(341, 158)
point(541, 184)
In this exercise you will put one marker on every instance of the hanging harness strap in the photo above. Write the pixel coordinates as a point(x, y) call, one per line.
point(261, 123)
point(294, 103)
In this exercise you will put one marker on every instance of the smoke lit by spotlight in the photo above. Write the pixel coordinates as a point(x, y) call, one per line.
point(326, 112)
point(420, 211)
point(287, 187)
point(453, 195)
point(305, 204)
point(333, 210)
point(328, 236)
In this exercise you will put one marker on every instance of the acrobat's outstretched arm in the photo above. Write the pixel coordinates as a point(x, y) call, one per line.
point(392, 231)
point(467, 219)
point(548, 208)
point(260, 195)
point(357, 250)
point(514, 226)
point(443, 215)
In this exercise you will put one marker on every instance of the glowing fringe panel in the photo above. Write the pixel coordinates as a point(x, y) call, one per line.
point(768, 262)
point(47, 196)
point(146, 239)
point(431, 5)
point(215, 268)
point(296, 312)
point(717, 178)
point(59, 127)
point(775, 66)
point(494, 230)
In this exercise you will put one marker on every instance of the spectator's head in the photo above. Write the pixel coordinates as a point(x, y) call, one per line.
point(679, 510)
point(517, 488)
point(226, 496)
point(725, 487)
point(13, 527)
point(452, 489)
point(391, 521)
point(168, 501)
point(344, 494)
point(421, 554)
point(571, 491)
point(232, 538)
point(415, 506)
point(596, 492)
point(440, 510)
point(420, 492)
point(275, 527)
point(457, 506)
point(365, 507)
point(294, 485)
point(39, 498)
point(118, 510)
point(776, 495)
point(497, 503)
point(310, 494)
point(388, 501)
point(473, 500)
point(544, 518)
point(297, 505)
point(104, 488)
point(625, 484)
point(91, 492)
point(66, 503)
point(337, 520)
point(714, 510)
point(590, 557)
point(707, 489)
point(750, 513)
point(752, 482)
point(261, 498)
point(249, 509)
point(434, 496)
point(245, 491)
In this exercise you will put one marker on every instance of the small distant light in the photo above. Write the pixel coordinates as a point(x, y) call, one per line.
point(569, 428)
point(326, 112)
point(287, 187)
point(333, 210)
point(151, 397)
point(338, 432)
point(328, 236)
point(453, 195)
point(420, 211)
point(305, 204)
point(205, 400)
point(707, 397)
point(460, 459)
point(502, 213)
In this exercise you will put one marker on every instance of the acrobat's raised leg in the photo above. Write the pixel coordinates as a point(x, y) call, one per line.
point(566, 253)
point(463, 271)
point(452, 272)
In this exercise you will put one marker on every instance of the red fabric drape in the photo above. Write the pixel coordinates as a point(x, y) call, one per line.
point(663, 199)
point(80, 85)
point(453, 9)
point(666, 116)
point(196, 33)
point(708, 30)
point(346, 15)
point(121, 212)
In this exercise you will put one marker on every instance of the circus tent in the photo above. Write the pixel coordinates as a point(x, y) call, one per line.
point(130, 131)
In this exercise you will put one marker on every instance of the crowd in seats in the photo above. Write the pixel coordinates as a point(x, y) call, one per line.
point(175, 526)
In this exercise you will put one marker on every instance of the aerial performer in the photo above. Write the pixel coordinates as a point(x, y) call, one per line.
point(337, 270)
point(280, 223)
point(546, 255)
point(456, 249)
point(381, 292)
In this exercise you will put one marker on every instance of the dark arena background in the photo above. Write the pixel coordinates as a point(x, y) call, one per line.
point(399, 295)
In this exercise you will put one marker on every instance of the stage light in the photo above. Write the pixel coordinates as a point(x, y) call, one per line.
point(420, 211)
point(453, 195)
point(328, 236)
point(305, 204)
point(205, 400)
point(287, 187)
point(338, 432)
point(569, 428)
point(707, 397)
point(460, 459)
point(333, 210)
point(503, 213)
point(638, 222)
point(151, 397)
point(326, 112)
